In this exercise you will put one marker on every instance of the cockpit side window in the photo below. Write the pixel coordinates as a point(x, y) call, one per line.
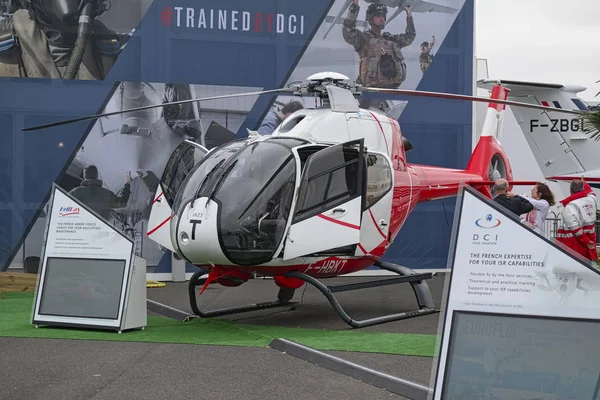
point(305, 152)
point(379, 178)
point(330, 179)
point(183, 160)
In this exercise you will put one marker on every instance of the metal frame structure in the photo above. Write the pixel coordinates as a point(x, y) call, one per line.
point(407, 275)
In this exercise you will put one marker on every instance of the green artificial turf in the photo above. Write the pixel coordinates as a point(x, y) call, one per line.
point(16, 311)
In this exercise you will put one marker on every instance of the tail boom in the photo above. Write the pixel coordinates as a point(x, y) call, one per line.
point(488, 161)
point(437, 183)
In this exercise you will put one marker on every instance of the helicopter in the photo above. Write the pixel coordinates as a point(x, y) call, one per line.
point(323, 196)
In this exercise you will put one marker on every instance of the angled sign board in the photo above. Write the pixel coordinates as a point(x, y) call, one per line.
point(522, 312)
point(89, 275)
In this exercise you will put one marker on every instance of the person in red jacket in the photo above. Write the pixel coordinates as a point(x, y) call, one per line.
point(577, 226)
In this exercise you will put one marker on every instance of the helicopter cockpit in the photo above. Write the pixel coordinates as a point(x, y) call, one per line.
point(252, 185)
point(254, 193)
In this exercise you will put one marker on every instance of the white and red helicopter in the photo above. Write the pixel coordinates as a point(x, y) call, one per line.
point(324, 195)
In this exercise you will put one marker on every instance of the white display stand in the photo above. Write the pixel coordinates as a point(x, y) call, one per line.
point(89, 275)
point(522, 313)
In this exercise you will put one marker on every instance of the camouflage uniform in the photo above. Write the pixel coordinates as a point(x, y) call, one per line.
point(425, 59)
point(101, 200)
point(381, 61)
point(25, 50)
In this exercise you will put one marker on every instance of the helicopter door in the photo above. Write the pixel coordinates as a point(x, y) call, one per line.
point(183, 160)
point(328, 210)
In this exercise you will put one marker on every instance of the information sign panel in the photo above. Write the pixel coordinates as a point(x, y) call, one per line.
point(89, 275)
point(521, 314)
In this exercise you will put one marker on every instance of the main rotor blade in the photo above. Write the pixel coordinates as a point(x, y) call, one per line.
point(513, 183)
point(70, 121)
point(470, 98)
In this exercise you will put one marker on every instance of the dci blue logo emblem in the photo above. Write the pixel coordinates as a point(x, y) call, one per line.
point(489, 222)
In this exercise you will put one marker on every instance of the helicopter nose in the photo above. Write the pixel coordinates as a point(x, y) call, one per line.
point(195, 233)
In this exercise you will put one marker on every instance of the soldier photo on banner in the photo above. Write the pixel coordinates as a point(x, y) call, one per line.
point(425, 59)
point(381, 61)
point(376, 43)
point(54, 39)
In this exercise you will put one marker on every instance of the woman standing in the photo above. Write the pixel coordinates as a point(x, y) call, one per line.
point(541, 199)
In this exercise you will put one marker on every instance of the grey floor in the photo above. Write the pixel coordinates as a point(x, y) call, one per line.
point(65, 369)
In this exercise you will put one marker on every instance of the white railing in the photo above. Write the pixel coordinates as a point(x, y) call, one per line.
point(552, 226)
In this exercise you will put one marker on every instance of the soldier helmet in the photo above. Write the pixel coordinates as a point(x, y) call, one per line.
point(424, 44)
point(376, 9)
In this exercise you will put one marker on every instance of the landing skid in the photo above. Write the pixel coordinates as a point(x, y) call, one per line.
point(407, 275)
point(283, 299)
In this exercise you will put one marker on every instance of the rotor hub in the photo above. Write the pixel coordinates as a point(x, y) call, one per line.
point(316, 85)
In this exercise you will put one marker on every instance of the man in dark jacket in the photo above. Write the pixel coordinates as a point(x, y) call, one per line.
point(98, 198)
point(517, 204)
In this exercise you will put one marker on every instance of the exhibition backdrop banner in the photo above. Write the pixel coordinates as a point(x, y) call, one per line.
point(146, 52)
point(521, 312)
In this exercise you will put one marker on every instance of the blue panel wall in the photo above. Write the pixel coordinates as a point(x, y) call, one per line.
point(159, 51)
point(162, 51)
point(441, 133)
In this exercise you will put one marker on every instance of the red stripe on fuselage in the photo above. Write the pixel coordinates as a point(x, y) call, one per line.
point(360, 246)
point(159, 196)
point(158, 227)
point(377, 226)
point(335, 221)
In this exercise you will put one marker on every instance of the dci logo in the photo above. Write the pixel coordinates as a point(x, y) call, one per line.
point(487, 222)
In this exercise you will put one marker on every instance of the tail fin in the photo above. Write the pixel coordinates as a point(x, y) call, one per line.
point(489, 161)
point(492, 126)
point(556, 139)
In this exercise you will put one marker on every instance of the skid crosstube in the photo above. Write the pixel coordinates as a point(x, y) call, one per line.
point(407, 275)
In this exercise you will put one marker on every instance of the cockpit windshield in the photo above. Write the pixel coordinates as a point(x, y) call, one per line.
point(255, 196)
point(203, 173)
